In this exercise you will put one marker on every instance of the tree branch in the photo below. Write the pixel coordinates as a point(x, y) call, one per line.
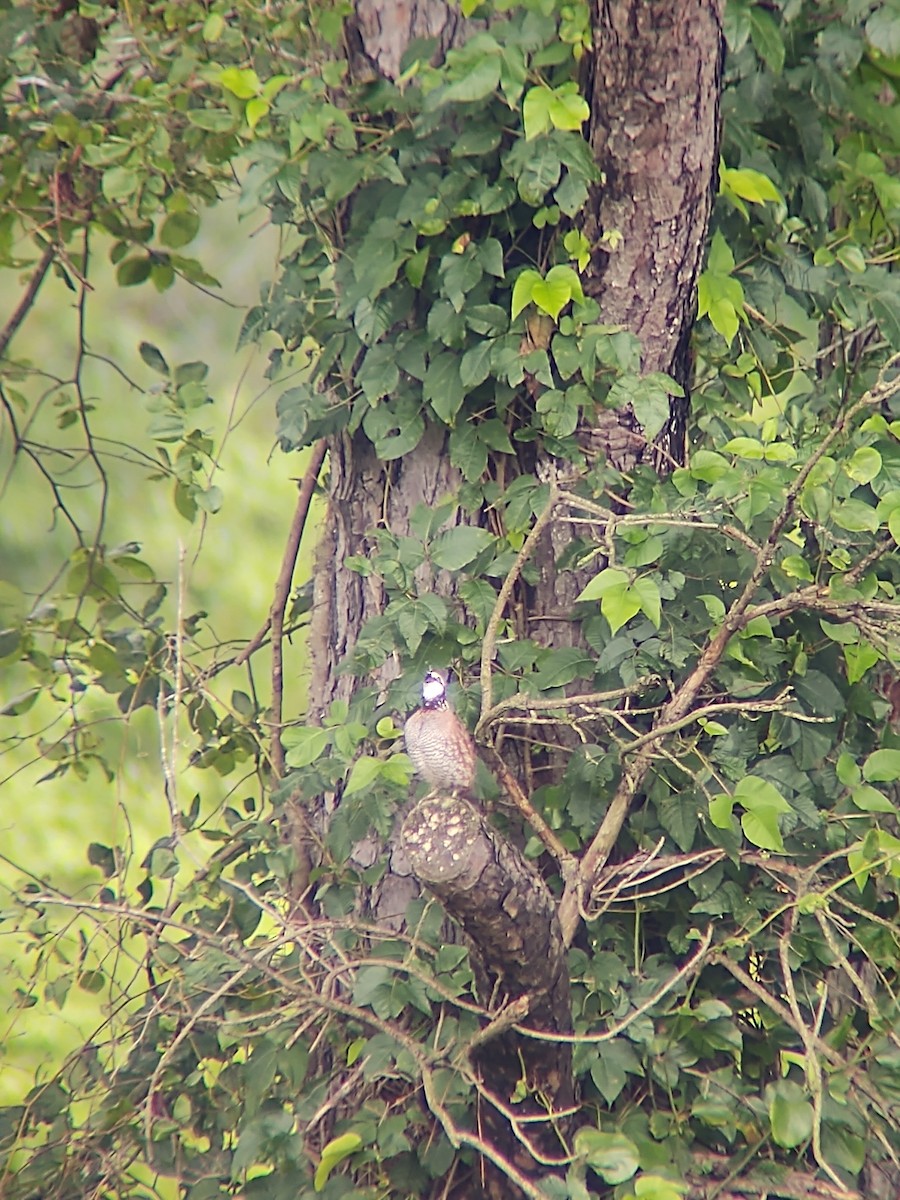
point(737, 617)
point(7, 333)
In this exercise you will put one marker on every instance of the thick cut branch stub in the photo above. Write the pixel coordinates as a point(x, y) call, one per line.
point(509, 916)
point(493, 892)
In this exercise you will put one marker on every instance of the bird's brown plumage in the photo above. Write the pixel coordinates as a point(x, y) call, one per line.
point(440, 746)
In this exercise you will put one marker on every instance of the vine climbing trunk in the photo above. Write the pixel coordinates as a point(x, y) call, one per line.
point(653, 80)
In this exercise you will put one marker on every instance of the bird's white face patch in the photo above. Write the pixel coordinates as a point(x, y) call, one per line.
point(432, 688)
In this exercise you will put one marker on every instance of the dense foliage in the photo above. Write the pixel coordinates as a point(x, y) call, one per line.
point(731, 703)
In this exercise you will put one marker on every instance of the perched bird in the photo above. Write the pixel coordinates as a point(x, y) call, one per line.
point(440, 746)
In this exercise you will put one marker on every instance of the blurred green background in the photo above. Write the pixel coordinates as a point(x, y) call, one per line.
point(226, 567)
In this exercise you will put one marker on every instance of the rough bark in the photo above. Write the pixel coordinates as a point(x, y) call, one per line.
point(644, 82)
point(654, 93)
point(509, 915)
point(653, 84)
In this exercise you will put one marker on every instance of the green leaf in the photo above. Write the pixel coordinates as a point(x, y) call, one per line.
point(761, 828)
point(153, 358)
point(554, 292)
point(242, 82)
point(869, 799)
point(596, 588)
point(21, 703)
point(855, 516)
point(475, 365)
point(847, 770)
point(745, 447)
point(334, 1153)
point(748, 184)
point(568, 110)
point(790, 1113)
point(458, 547)
point(522, 289)
point(654, 1187)
point(363, 774)
point(646, 591)
point(179, 228)
point(613, 1156)
point(481, 81)
point(720, 810)
point(865, 464)
point(882, 766)
point(536, 111)
point(766, 38)
point(304, 744)
point(755, 793)
point(443, 386)
point(119, 183)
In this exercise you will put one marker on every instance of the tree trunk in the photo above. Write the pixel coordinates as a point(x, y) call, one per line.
point(654, 80)
point(656, 75)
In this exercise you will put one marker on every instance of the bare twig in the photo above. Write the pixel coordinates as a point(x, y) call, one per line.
point(275, 620)
point(7, 333)
point(490, 634)
point(291, 549)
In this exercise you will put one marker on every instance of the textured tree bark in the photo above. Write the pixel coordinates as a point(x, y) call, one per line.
point(653, 84)
point(654, 121)
point(655, 79)
point(509, 916)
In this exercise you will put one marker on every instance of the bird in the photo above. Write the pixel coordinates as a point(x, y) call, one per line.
point(441, 748)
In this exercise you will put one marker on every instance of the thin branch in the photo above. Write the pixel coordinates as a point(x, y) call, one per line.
point(490, 634)
point(275, 621)
point(7, 333)
point(292, 547)
point(634, 771)
point(461, 1137)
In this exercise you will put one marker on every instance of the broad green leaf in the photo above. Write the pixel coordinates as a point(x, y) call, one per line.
point(882, 766)
point(847, 770)
point(17, 705)
point(654, 1187)
point(767, 39)
point(843, 632)
point(242, 82)
point(619, 605)
point(790, 1113)
point(304, 744)
point(596, 588)
point(855, 516)
point(755, 793)
point(443, 387)
point(477, 84)
point(761, 828)
point(536, 111)
point(865, 464)
point(475, 364)
point(748, 184)
point(458, 547)
point(796, 567)
point(363, 774)
point(745, 447)
point(869, 799)
point(568, 110)
point(859, 659)
point(522, 289)
point(153, 358)
point(646, 591)
point(613, 1156)
point(334, 1153)
point(720, 810)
